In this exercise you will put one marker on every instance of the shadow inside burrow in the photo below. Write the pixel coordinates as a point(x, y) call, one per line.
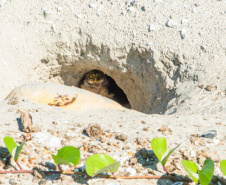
point(19, 124)
point(113, 88)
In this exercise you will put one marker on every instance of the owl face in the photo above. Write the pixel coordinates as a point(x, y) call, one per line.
point(95, 77)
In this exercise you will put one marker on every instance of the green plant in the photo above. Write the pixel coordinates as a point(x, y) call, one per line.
point(67, 155)
point(13, 149)
point(99, 163)
point(223, 166)
point(204, 176)
point(159, 147)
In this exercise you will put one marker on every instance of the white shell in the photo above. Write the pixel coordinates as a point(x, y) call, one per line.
point(171, 23)
point(92, 5)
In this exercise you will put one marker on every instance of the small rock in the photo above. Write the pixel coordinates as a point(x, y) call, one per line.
point(171, 23)
point(47, 12)
point(50, 165)
point(94, 130)
point(152, 27)
point(210, 88)
point(26, 121)
point(143, 8)
point(133, 161)
point(201, 86)
point(183, 33)
point(92, 5)
point(44, 182)
point(209, 134)
point(12, 181)
point(131, 9)
point(122, 137)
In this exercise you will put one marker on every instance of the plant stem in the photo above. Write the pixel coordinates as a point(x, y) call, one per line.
point(114, 175)
point(104, 176)
point(60, 168)
point(165, 169)
point(19, 165)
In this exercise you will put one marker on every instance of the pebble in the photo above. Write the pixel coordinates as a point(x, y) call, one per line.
point(171, 23)
point(47, 12)
point(210, 134)
point(210, 88)
point(12, 181)
point(131, 9)
point(152, 27)
point(149, 44)
point(184, 21)
point(94, 130)
point(44, 182)
point(79, 15)
point(183, 33)
point(92, 5)
point(122, 137)
point(143, 8)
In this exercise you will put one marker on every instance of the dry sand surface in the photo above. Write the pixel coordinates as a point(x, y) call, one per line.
point(168, 57)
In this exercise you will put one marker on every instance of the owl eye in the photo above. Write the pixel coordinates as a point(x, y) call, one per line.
point(90, 76)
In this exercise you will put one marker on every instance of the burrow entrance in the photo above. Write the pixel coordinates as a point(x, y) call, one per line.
point(113, 89)
point(142, 79)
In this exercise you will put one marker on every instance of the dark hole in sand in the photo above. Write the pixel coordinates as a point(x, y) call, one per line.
point(119, 97)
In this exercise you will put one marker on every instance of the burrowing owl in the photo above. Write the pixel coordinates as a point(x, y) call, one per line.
point(96, 82)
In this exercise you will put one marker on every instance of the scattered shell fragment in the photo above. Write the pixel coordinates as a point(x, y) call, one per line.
point(171, 23)
point(79, 15)
point(92, 5)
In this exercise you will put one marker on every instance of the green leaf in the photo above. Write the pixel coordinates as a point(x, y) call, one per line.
point(18, 150)
point(14, 150)
point(67, 155)
point(223, 166)
point(159, 147)
point(206, 174)
point(99, 163)
point(169, 153)
point(192, 169)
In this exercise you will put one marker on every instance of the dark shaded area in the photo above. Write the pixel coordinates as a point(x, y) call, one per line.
point(19, 124)
point(113, 88)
